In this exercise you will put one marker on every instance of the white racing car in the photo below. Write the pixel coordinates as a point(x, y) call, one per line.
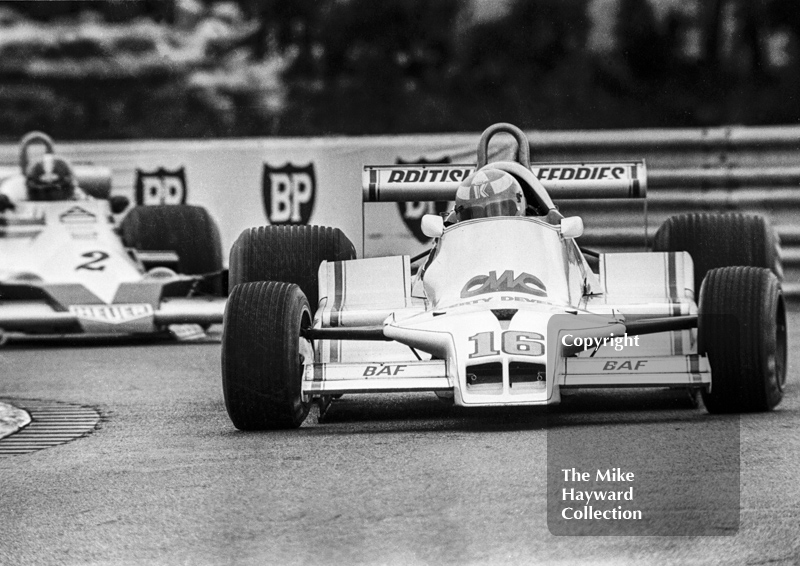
point(66, 267)
point(506, 310)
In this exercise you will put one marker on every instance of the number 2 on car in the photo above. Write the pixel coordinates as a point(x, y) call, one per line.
point(95, 262)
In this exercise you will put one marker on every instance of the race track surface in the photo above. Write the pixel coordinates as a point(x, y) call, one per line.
point(383, 479)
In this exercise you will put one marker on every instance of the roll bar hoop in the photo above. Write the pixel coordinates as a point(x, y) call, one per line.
point(523, 147)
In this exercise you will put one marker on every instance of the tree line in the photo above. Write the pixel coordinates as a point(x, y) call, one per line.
point(115, 70)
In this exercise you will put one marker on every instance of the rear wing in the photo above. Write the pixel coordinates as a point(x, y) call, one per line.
point(563, 181)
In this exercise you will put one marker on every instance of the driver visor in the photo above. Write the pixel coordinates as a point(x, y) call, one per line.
point(505, 207)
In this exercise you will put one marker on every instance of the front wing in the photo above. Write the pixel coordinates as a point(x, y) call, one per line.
point(144, 307)
point(437, 375)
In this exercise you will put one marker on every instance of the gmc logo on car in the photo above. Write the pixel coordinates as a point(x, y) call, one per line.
point(507, 282)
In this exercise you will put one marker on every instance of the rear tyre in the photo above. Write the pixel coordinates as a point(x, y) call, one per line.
point(721, 240)
point(187, 230)
point(263, 355)
point(287, 253)
point(748, 367)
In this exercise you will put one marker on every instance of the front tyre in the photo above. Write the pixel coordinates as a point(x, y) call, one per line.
point(748, 367)
point(263, 355)
point(287, 253)
point(721, 240)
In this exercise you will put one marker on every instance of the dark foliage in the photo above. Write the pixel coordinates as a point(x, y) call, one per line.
point(318, 67)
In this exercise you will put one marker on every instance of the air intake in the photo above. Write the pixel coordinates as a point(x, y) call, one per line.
point(523, 376)
point(485, 378)
point(504, 314)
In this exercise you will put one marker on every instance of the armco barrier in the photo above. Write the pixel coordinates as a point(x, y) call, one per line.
point(755, 170)
point(719, 169)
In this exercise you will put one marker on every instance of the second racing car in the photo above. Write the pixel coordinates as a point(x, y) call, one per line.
point(66, 266)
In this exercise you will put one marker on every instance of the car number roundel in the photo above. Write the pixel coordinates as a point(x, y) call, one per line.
point(514, 342)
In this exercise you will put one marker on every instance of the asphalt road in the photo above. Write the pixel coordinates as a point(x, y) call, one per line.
point(383, 479)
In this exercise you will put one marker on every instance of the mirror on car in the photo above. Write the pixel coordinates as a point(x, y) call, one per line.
point(432, 225)
point(118, 203)
point(571, 227)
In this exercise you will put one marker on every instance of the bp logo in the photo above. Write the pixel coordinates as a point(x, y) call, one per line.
point(289, 193)
point(412, 212)
point(161, 186)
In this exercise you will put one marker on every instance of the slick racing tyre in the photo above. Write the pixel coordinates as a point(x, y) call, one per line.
point(721, 240)
point(287, 253)
point(742, 330)
point(263, 355)
point(187, 230)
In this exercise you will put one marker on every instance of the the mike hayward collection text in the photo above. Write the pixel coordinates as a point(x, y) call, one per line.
point(580, 504)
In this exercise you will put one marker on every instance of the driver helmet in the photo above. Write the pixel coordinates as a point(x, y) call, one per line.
point(50, 178)
point(489, 193)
